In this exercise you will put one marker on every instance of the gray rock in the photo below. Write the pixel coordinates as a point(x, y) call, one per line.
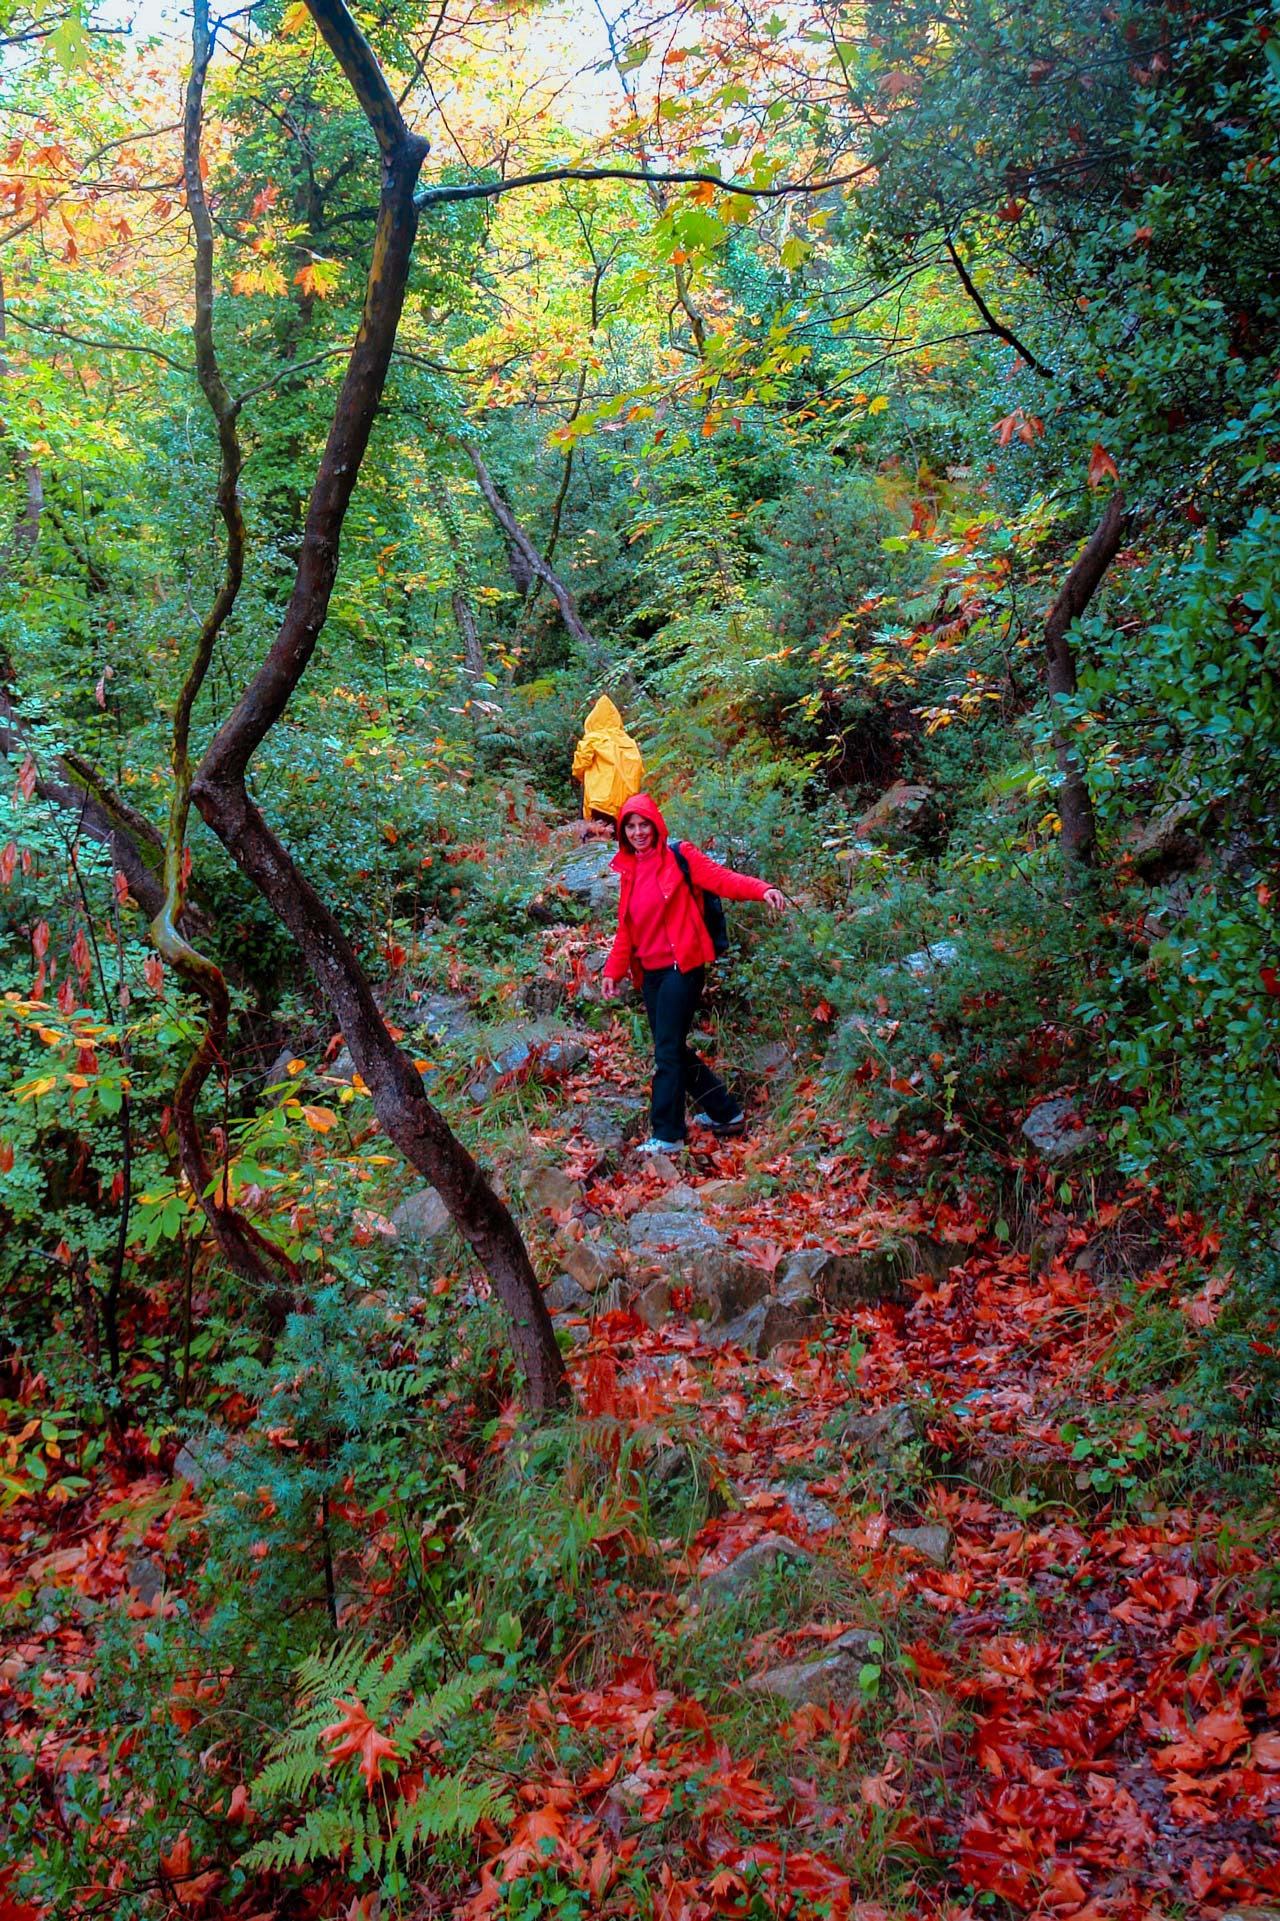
point(653, 1304)
point(1057, 1132)
point(342, 1067)
point(544, 995)
point(678, 1235)
point(550, 1190)
point(443, 1017)
point(727, 1583)
point(145, 1577)
point(422, 1217)
point(848, 1280)
point(724, 1193)
point(591, 1260)
point(684, 1247)
point(202, 1458)
point(531, 1055)
point(884, 1434)
point(765, 1326)
point(1166, 840)
point(932, 1543)
point(587, 879)
point(807, 1507)
point(564, 1296)
point(830, 1680)
point(940, 953)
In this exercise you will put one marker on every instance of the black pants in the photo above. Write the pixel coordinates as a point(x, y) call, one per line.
point(671, 1000)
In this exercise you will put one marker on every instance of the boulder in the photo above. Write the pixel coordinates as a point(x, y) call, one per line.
point(422, 1217)
point(653, 1304)
point(544, 995)
point(682, 1245)
point(830, 1679)
point(931, 1542)
point(443, 1017)
point(724, 1193)
point(728, 1583)
point(906, 815)
point(883, 1434)
point(564, 1296)
point(849, 1280)
point(588, 882)
point(765, 1326)
point(1165, 840)
point(532, 1054)
point(590, 1261)
point(550, 1190)
point(1057, 1132)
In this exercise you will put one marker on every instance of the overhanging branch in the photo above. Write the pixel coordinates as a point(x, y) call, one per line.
point(997, 327)
point(446, 195)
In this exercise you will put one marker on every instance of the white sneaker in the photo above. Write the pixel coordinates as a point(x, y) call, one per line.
point(654, 1146)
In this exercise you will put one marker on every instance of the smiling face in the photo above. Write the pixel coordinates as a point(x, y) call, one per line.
point(642, 835)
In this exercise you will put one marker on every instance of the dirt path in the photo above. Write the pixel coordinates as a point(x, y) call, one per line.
point(1065, 1695)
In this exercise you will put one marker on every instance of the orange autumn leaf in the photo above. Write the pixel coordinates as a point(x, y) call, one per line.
point(1101, 466)
point(354, 1735)
point(321, 1119)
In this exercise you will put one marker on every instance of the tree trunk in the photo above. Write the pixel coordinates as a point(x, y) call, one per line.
point(219, 787)
point(1075, 809)
point(533, 559)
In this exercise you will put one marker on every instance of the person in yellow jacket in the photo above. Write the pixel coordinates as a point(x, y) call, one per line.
point(607, 762)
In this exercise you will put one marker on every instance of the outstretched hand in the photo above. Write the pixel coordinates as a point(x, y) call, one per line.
point(776, 901)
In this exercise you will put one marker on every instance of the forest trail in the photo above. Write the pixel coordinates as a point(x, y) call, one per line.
point(833, 1602)
point(911, 1639)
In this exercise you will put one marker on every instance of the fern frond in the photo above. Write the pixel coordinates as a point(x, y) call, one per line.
point(385, 1688)
point(325, 1674)
point(325, 1835)
point(445, 1704)
point(446, 1806)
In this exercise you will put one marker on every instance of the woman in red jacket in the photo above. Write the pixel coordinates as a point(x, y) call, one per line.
point(663, 943)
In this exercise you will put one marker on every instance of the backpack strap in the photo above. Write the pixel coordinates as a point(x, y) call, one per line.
point(682, 861)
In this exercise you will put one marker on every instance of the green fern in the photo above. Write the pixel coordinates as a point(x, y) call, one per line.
point(327, 1813)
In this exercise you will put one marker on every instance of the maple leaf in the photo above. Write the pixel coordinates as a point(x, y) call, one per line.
point(355, 1734)
point(1101, 466)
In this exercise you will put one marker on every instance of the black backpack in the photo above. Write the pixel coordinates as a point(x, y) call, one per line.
point(710, 905)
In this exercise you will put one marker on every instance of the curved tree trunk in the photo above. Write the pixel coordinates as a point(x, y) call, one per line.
point(1075, 809)
point(219, 787)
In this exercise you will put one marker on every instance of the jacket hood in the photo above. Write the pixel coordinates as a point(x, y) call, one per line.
point(604, 718)
point(647, 808)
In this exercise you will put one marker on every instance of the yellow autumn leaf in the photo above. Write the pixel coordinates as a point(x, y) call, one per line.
point(32, 1090)
point(320, 1118)
point(294, 1067)
point(879, 405)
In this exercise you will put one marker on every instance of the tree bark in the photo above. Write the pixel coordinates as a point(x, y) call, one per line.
point(1079, 836)
point(136, 846)
point(219, 787)
point(250, 1253)
point(520, 540)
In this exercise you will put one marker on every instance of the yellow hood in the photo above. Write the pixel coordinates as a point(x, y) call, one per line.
point(607, 762)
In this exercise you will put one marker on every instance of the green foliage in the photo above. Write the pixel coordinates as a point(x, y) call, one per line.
point(376, 1827)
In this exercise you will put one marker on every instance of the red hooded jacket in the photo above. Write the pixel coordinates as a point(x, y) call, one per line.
point(685, 927)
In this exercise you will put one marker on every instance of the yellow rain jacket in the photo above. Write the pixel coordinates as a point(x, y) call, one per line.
point(607, 762)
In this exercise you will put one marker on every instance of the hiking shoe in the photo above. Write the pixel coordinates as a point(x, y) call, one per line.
point(736, 1124)
point(654, 1146)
